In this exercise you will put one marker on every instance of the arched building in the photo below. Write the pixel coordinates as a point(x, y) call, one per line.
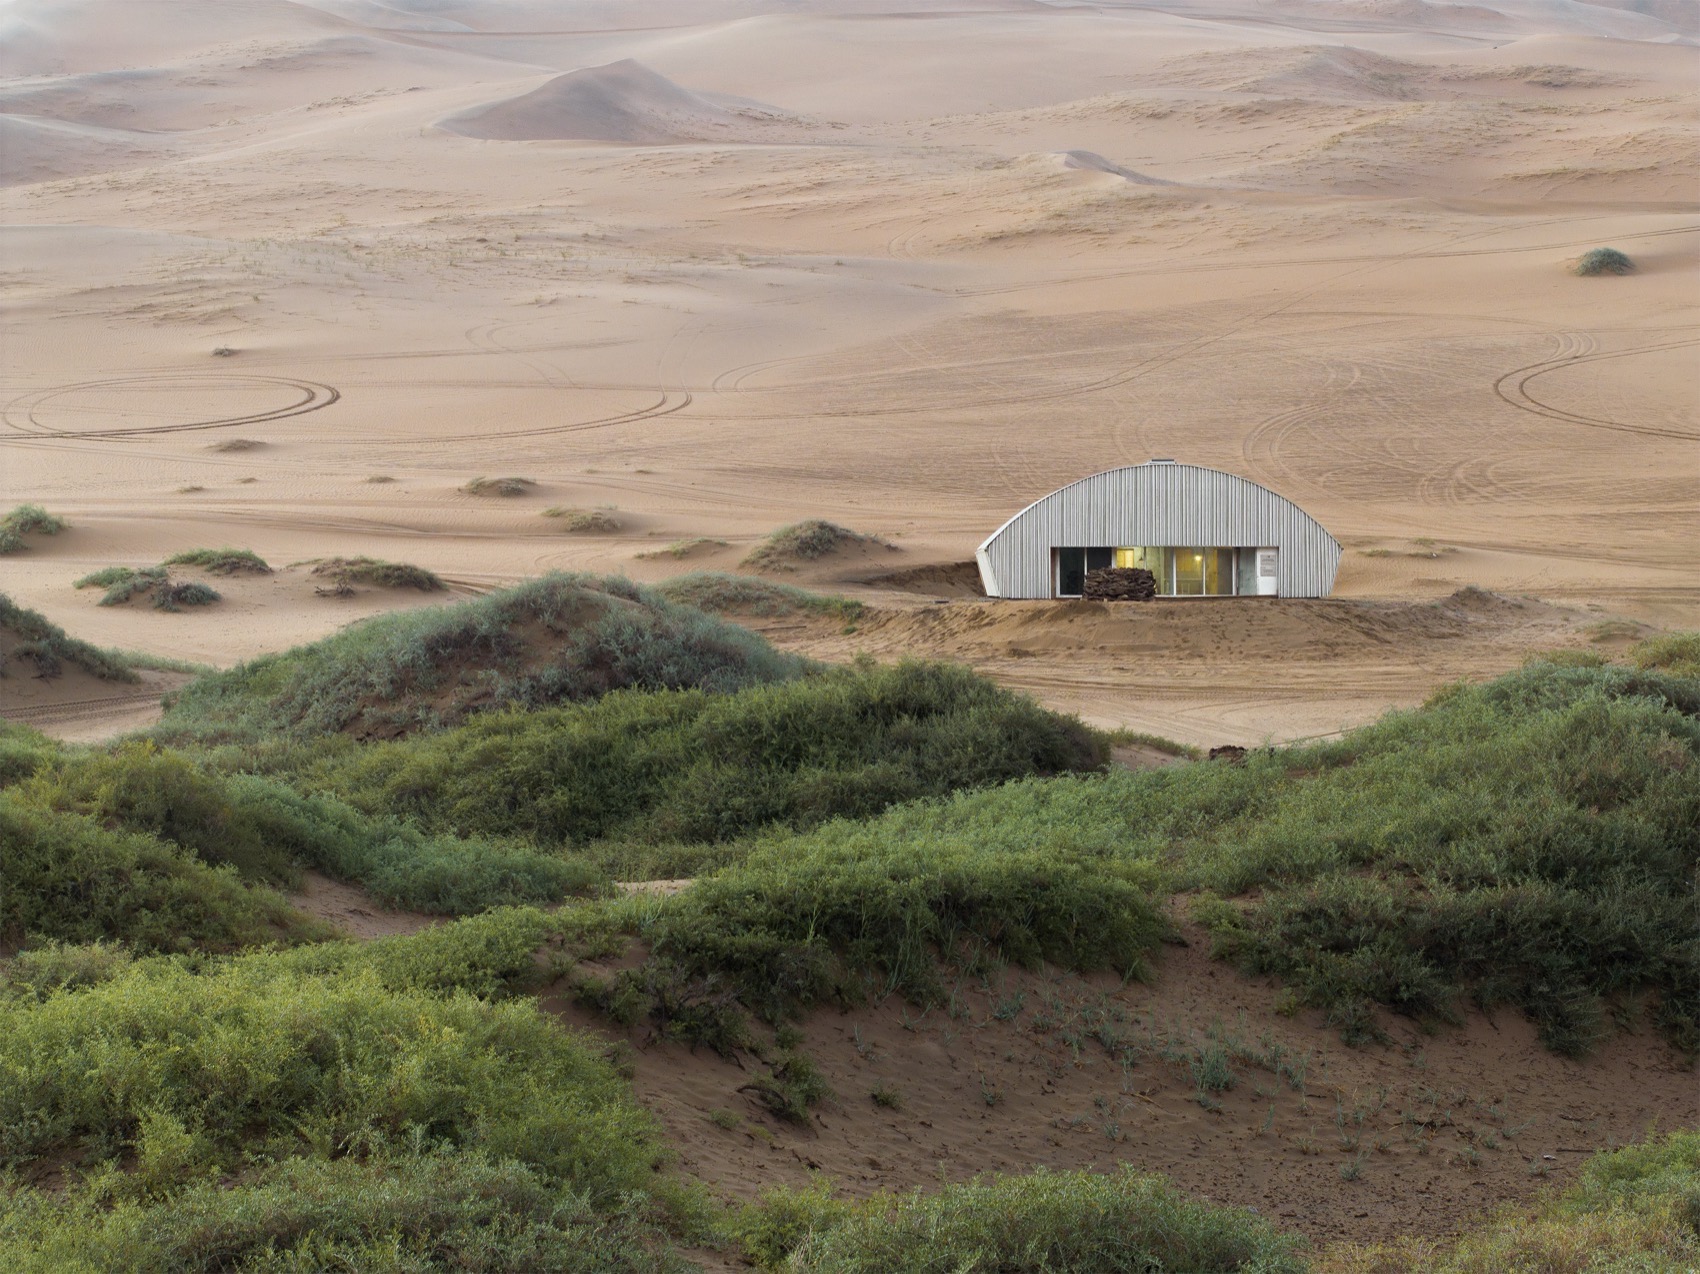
point(1201, 532)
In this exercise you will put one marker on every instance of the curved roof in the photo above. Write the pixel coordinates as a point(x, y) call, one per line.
point(1159, 503)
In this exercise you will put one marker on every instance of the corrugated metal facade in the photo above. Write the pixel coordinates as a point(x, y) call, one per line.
point(1160, 503)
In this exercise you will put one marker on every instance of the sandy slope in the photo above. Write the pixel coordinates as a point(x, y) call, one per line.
point(908, 267)
point(1012, 1071)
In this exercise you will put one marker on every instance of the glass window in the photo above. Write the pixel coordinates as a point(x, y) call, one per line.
point(1071, 572)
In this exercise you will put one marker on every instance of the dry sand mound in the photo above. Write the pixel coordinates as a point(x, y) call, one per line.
point(1305, 71)
point(34, 149)
point(622, 102)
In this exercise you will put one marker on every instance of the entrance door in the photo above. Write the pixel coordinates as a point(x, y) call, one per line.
point(1267, 560)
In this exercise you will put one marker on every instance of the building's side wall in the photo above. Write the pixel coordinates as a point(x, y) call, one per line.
point(1173, 504)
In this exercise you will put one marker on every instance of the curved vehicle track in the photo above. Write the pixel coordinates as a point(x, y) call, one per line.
point(1513, 389)
point(20, 413)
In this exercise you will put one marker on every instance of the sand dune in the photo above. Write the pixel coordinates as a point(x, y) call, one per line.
point(1089, 161)
point(623, 102)
point(34, 149)
point(63, 37)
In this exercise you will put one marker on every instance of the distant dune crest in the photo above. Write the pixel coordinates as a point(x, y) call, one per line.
point(1091, 161)
point(622, 102)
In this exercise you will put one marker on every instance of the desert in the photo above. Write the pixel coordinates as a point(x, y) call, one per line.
point(497, 678)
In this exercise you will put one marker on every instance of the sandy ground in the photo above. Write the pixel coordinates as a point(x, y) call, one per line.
point(352, 911)
point(719, 266)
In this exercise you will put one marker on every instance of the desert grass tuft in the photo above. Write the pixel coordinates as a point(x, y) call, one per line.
point(499, 486)
point(376, 571)
point(681, 549)
point(221, 561)
point(720, 592)
point(26, 520)
point(584, 521)
point(1597, 261)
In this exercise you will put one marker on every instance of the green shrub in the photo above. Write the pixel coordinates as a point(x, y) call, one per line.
point(1532, 841)
point(1675, 653)
point(69, 878)
point(691, 766)
point(1604, 261)
point(58, 966)
point(140, 788)
point(221, 561)
point(805, 542)
point(106, 577)
point(170, 1076)
point(414, 1212)
point(810, 917)
point(371, 570)
point(719, 592)
point(27, 519)
point(1042, 1223)
point(47, 648)
point(555, 639)
point(492, 956)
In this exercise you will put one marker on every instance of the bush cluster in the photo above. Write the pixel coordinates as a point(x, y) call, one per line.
point(702, 767)
point(265, 832)
point(122, 583)
point(69, 877)
point(331, 1104)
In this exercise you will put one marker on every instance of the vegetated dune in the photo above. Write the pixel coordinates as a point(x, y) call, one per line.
point(561, 638)
point(623, 102)
point(49, 679)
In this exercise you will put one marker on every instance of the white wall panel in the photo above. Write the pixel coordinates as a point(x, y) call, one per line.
point(1159, 504)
